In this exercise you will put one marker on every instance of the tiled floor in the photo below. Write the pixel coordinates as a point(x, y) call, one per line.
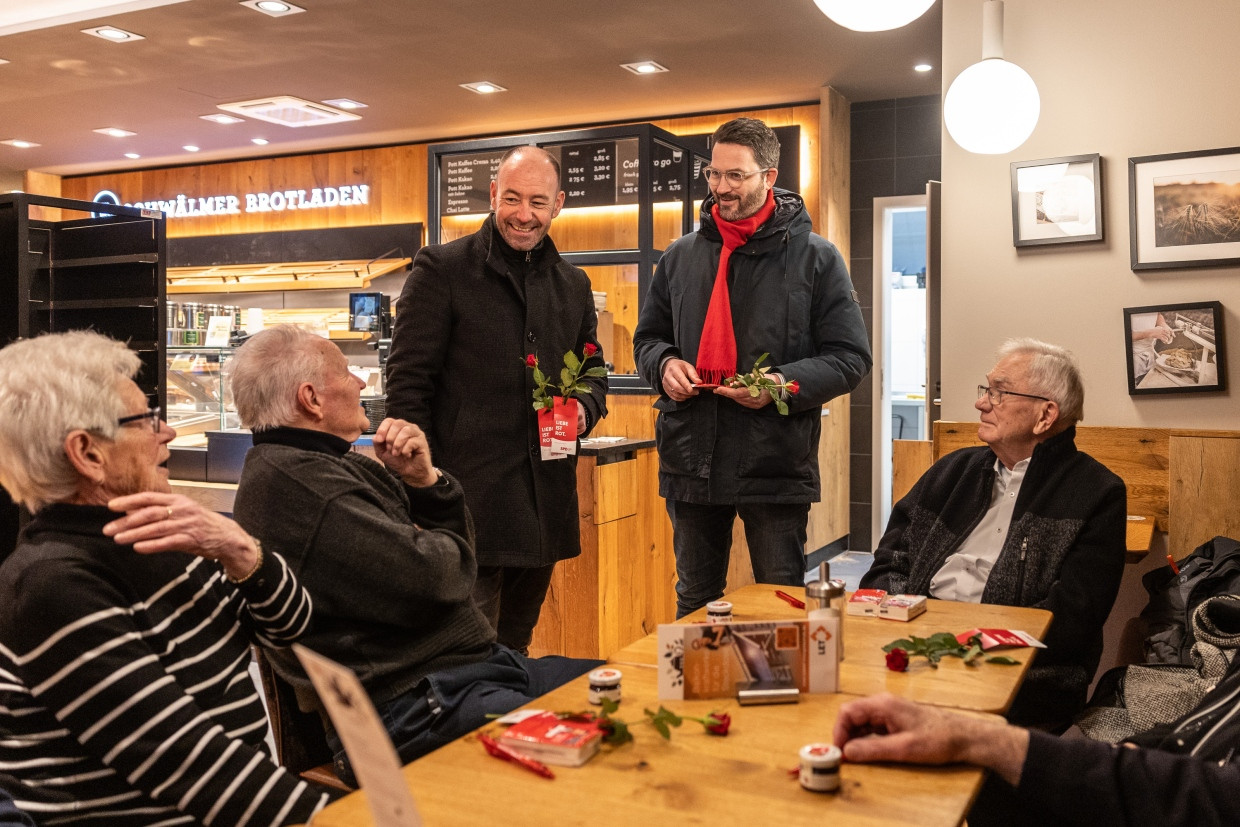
point(848, 566)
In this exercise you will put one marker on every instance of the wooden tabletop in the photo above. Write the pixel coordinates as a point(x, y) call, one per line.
point(694, 778)
point(986, 688)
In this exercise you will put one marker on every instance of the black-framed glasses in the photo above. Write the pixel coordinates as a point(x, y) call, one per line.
point(734, 177)
point(996, 396)
point(150, 413)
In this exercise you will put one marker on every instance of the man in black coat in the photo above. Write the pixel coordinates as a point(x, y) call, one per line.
point(470, 313)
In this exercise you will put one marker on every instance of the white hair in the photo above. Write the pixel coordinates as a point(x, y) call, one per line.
point(1053, 372)
point(266, 371)
point(49, 386)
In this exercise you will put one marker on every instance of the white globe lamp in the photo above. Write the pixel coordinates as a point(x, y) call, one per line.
point(873, 15)
point(992, 107)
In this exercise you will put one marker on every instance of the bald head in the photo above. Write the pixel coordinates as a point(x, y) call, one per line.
point(526, 196)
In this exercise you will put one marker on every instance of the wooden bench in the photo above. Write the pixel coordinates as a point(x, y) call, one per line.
point(1180, 481)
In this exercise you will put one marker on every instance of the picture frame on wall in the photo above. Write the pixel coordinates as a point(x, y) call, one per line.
point(1057, 200)
point(1175, 348)
point(1184, 209)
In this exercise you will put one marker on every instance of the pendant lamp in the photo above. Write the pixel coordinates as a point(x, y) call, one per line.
point(991, 107)
point(873, 15)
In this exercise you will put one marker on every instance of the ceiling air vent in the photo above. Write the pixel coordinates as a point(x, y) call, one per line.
point(287, 110)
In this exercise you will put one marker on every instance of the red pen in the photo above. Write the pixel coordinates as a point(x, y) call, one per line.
point(790, 600)
point(500, 751)
point(1174, 568)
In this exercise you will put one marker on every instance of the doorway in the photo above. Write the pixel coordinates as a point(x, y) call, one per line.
point(900, 335)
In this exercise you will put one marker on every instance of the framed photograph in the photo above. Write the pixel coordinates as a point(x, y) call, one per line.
point(1184, 209)
point(1057, 200)
point(1175, 348)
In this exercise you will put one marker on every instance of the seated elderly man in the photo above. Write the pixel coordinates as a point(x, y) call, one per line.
point(1182, 774)
point(384, 548)
point(127, 613)
point(1026, 521)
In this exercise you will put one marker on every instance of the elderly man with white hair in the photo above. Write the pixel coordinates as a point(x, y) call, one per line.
point(1027, 520)
point(385, 549)
point(127, 613)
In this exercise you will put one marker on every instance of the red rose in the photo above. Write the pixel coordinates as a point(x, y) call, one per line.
point(531, 360)
point(793, 386)
point(722, 722)
point(897, 660)
point(590, 349)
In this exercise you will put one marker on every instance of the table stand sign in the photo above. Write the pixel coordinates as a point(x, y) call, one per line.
point(370, 749)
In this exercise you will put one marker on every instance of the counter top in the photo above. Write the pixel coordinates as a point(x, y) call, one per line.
point(611, 447)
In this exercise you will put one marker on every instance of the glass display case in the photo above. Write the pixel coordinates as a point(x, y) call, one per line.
point(199, 397)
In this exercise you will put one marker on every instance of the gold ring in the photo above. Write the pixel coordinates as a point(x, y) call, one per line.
point(169, 512)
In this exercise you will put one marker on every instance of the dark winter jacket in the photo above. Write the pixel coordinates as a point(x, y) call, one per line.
point(1186, 776)
point(792, 298)
point(389, 567)
point(464, 325)
point(1064, 552)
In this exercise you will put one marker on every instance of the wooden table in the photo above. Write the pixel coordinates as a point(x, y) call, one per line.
point(694, 778)
point(986, 688)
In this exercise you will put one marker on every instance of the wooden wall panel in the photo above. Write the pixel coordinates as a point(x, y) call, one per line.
point(1205, 474)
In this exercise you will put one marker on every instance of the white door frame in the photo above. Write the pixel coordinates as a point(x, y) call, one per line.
point(880, 451)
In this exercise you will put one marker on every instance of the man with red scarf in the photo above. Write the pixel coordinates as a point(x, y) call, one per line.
point(753, 280)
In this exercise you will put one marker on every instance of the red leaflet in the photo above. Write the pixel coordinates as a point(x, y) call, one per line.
point(500, 751)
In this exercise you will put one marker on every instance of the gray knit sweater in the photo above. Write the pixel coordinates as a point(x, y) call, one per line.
point(389, 567)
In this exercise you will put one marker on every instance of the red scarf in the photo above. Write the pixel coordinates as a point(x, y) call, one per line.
point(716, 359)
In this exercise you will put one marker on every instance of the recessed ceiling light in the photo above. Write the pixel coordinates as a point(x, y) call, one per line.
point(483, 87)
point(132, 156)
point(345, 103)
point(19, 143)
point(115, 132)
point(221, 118)
point(113, 34)
point(190, 148)
point(273, 8)
point(922, 67)
point(287, 110)
point(260, 141)
point(645, 67)
point(2, 60)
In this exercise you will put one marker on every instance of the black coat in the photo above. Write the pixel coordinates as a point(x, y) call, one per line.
point(792, 298)
point(1064, 552)
point(457, 369)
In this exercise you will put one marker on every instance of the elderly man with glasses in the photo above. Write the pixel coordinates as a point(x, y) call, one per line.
point(1027, 520)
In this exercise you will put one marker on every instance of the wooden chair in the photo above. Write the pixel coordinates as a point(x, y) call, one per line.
point(301, 744)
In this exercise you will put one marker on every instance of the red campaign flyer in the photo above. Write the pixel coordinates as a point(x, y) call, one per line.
point(995, 638)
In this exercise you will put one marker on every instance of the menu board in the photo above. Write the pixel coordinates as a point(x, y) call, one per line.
point(668, 168)
point(598, 173)
point(465, 181)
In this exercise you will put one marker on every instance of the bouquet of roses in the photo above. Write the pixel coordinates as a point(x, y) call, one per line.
point(556, 403)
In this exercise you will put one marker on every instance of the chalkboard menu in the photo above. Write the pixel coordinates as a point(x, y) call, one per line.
point(668, 172)
point(598, 173)
point(465, 181)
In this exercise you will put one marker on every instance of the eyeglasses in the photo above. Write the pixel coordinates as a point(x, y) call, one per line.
point(996, 396)
point(150, 413)
point(734, 177)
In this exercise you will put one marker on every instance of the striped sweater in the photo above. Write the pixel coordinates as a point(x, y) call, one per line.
point(125, 697)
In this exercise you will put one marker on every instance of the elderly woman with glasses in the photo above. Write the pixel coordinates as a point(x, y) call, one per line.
point(1026, 520)
point(127, 613)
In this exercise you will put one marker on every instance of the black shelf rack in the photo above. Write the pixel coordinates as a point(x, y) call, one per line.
point(78, 265)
